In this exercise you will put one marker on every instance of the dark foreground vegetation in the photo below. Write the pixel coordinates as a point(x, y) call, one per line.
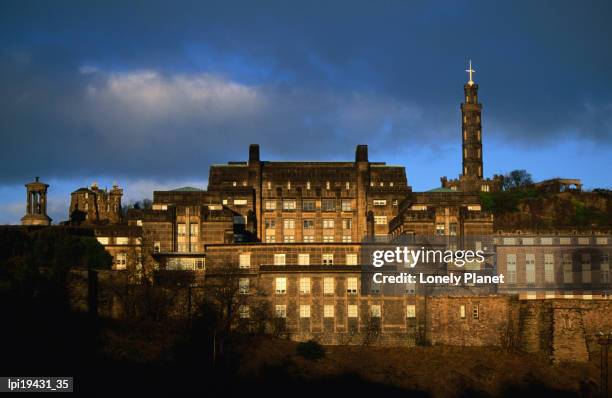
point(146, 353)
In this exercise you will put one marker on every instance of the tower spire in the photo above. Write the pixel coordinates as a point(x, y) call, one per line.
point(470, 71)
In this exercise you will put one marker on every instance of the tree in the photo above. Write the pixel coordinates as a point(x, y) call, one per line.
point(517, 179)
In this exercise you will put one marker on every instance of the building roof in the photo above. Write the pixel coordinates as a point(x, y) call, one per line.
point(187, 189)
point(441, 190)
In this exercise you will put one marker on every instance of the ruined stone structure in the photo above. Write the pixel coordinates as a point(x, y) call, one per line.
point(96, 206)
point(36, 204)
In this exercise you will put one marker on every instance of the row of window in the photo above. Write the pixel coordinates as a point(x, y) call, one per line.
point(308, 223)
point(118, 240)
point(280, 285)
point(302, 259)
point(309, 205)
point(582, 240)
point(328, 311)
point(549, 268)
point(271, 238)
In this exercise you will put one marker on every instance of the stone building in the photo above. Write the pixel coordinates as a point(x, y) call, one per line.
point(298, 231)
point(96, 206)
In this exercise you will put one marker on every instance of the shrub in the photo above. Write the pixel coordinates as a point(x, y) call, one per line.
point(310, 350)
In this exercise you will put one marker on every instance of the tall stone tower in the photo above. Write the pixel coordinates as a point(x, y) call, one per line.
point(472, 130)
point(36, 205)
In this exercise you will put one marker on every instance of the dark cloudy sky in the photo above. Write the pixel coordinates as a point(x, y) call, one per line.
point(149, 94)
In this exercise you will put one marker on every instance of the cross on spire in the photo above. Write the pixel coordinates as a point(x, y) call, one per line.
point(470, 71)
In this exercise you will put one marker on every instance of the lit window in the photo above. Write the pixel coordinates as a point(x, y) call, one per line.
point(328, 311)
point(530, 268)
point(549, 268)
point(122, 240)
point(567, 268)
point(511, 267)
point(270, 239)
point(328, 239)
point(410, 311)
point(279, 259)
point(120, 261)
point(156, 247)
point(327, 185)
point(347, 239)
point(307, 184)
point(439, 229)
point(462, 312)
point(351, 259)
point(346, 205)
point(348, 186)
point(347, 223)
point(289, 205)
point(281, 285)
point(181, 229)
point(380, 202)
point(289, 238)
point(327, 258)
point(328, 285)
point(245, 260)
point(375, 311)
point(308, 239)
point(305, 285)
point(304, 311)
point(351, 285)
point(103, 240)
point(244, 311)
point(380, 220)
point(194, 229)
point(352, 311)
point(270, 205)
point(328, 223)
point(328, 204)
point(289, 223)
point(303, 259)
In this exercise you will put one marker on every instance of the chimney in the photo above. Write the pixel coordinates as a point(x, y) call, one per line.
point(253, 153)
point(361, 153)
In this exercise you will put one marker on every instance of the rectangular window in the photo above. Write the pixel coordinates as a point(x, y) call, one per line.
point(308, 205)
point(347, 238)
point(270, 205)
point(281, 285)
point(243, 285)
point(181, 229)
point(327, 258)
point(439, 229)
point(352, 311)
point(462, 312)
point(289, 223)
point(289, 238)
point(270, 223)
point(586, 268)
point(240, 220)
point(351, 285)
point(347, 223)
point(452, 229)
point(270, 239)
point(305, 285)
point(565, 241)
point(347, 205)
point(244, 311)
point(244, 260)
point(194, 229)
point(328, 223)
point(567, 268)
point(379, 202)
point(308, 223)
point(183, 248)
point(289, 205)
point(240, 202)
point(120, 261)
point(102, 240)
point(380, 220)
point(411, 311)
point(281, 311)
point(303, 259)
point(328, 205)
point(375, 311)
point(549, 268)
point(511, 268)
point(530, 268)
point(328, 311)
point(123, 240)
point(304, 311)
point(328, 285)
point(351, 259)
point(328, 239)
point(308, 239)
point(475, 313)
point(279, 259)
point(199, 263)
point(605, 273)
point(156, 247)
